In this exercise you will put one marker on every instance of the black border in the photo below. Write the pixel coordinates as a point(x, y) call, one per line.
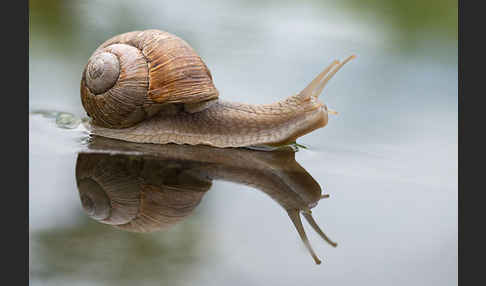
point(470, 159)
point(15, 143)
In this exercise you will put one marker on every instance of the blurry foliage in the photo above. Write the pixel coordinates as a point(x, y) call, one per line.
point(411, 19)
point(52, 20)
point(113, 255)
point(408, 20)
point(50, 15)
point(65, 25)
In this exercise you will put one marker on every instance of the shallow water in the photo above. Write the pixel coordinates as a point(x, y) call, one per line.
point(388, 160)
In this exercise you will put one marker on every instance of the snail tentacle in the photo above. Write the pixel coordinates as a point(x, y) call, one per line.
point(317, 229)
point(321, 86)
point(294, 216)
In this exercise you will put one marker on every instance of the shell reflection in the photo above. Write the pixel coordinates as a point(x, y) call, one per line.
point(145, 187)
point(137, 193)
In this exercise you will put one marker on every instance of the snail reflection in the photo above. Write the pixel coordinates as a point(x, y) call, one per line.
point(145, 188)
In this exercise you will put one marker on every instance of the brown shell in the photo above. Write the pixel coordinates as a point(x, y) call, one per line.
point(135, 193)
point(156, 68)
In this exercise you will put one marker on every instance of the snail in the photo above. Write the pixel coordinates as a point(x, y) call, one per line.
point(151, 87)
point(145, 187)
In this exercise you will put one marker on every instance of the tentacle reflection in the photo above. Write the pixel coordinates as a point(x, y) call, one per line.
point(145, 188)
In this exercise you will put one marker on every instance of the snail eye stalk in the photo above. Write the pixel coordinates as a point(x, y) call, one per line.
point(295, 217)
point(319, 82)
point(321, 86)
point(317, 229)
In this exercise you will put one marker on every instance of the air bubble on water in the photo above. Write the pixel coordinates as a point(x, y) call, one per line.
point(85, 140)
point(67, 120)
point(64, 120)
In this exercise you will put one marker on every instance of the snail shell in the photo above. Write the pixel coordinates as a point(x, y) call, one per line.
point(130, 77)
point(138, 194)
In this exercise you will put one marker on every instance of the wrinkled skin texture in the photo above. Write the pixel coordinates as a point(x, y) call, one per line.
point(226, 124)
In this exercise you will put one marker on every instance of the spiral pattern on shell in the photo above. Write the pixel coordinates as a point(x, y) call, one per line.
point(139, 194)
point(133, 75)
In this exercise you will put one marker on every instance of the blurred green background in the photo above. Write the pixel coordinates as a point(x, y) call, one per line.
point(408, 21)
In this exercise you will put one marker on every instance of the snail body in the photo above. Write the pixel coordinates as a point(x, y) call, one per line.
point(151, 87)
